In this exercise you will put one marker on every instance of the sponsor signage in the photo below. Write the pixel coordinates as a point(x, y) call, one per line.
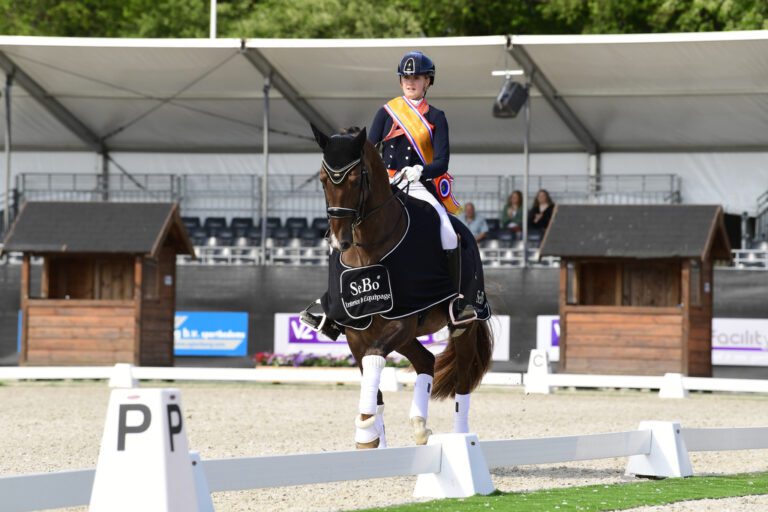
point(292, 337)
point(206, 333)
point(735, 341)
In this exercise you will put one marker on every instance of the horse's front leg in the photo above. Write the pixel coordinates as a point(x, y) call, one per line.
point(392, 335)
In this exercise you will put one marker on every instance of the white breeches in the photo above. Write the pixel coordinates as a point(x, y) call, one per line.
point(447, 233)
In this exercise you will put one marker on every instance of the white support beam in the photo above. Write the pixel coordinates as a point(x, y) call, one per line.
point(49, 103)
point(545, 87)
point(278, 81)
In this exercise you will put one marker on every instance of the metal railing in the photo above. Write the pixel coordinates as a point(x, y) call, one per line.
point(300, 195)
point(761, 220)
point(93, 187)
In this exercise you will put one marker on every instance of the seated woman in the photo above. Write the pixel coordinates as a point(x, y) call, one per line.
point(541, 212)
point(512, 213)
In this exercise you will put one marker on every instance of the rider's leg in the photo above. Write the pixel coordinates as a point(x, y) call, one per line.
point(461, 311)
point(447, 233)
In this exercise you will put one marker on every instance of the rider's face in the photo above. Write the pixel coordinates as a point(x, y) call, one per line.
point(414, 86)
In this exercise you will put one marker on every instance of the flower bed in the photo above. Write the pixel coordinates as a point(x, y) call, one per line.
point(327, 360)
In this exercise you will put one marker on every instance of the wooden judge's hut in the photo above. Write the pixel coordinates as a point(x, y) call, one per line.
point(107, 291)
point(636, 286)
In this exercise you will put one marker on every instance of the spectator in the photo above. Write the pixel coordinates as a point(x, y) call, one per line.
point(512, 213)
point(476, 223)
point(541, 212)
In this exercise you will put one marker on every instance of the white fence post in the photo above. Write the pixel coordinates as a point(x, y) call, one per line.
point(122, 376)
point(203, 493)
point(463, 471)
point(668, 456)
point(672, 386)
point(538, 371)
point(144, 461)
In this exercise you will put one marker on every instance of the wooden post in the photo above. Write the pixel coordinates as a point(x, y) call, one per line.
point(24, 307)
point(685, 285)
point(563, 301)
point(138, 280)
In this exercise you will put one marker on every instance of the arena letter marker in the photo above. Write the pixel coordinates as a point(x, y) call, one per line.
point(144, 461)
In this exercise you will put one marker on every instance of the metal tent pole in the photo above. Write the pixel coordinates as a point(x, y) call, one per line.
point(7, 211)
point(212, 33)
point(265, 175)
point(527, 157)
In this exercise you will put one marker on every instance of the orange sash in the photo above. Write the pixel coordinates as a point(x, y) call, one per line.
point(409, 120)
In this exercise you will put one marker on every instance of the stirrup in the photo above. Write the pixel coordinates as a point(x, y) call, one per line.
point(320, 323)
point(466, 315)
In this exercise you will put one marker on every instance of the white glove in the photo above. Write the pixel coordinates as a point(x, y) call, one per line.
point(413, 173)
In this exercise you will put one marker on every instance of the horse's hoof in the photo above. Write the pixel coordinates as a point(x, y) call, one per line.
point(367, 446)
point(420, 431)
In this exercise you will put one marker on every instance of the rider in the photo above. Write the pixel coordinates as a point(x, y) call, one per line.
point(414, 135)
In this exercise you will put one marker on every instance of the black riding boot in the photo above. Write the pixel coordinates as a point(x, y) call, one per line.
point(461, 310)
point(321, 322)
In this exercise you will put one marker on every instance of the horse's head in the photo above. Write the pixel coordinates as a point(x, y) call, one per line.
point(346, 182)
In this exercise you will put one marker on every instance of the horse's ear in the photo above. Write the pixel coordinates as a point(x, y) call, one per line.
point(360, 140)
point(320, 137)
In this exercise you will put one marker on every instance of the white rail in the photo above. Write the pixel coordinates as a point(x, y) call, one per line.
point(23, 493)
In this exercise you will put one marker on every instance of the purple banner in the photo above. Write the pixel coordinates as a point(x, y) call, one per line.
point(300, 333)
point(555, 332)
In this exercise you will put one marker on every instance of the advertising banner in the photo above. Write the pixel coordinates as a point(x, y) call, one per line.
point(206, 333)
point(735, 341)
point(292, 337)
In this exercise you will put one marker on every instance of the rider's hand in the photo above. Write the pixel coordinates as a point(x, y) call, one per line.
point(413, 173)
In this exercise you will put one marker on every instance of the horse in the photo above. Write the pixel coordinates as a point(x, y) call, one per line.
point(367, 219)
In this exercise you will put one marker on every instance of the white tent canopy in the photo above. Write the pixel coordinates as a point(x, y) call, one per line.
point(628, 97)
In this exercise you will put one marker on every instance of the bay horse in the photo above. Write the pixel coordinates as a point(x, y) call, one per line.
point(366, 221)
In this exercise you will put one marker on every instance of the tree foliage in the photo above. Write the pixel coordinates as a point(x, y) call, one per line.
point(372, 18)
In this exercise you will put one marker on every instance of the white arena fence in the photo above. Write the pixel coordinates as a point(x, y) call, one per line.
point(73, 488)
point(537, 380)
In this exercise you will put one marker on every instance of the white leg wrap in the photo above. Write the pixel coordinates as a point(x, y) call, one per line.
point(369, 384)
point(365, 430)
point(461, 415)
point(422, 389)
point(379, 424)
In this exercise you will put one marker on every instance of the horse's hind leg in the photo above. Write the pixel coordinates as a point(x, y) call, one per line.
point(465, 357)
point(423, 362)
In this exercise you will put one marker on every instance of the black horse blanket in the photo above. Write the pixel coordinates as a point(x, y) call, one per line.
point(411, 278)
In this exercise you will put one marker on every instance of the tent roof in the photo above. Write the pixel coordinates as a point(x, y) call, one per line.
point(665, 92)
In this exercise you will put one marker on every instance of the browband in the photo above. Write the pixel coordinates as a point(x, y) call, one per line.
point(338, 175)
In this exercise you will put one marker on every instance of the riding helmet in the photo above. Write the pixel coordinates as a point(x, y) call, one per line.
point(416, 63)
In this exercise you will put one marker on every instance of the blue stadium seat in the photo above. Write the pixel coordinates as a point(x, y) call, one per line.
point(493, 224)
point(295, 224)
point(214, 224)
point(240, 225)
point(225, 236)
point(191, 223)
point(272, 222)
point(281, 236)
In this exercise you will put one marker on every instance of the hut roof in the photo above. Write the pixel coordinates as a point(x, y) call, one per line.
point(637, 231)
point(96, 227)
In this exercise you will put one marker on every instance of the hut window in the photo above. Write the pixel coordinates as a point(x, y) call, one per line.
point(695, 283)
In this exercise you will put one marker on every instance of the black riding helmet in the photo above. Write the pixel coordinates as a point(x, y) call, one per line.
point(416, 63)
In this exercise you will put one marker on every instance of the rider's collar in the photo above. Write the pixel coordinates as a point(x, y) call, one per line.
point(416, 103)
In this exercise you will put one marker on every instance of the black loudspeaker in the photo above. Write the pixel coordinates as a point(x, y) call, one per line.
point(510, 100)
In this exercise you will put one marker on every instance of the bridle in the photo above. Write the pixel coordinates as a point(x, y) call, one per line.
point(337, 175)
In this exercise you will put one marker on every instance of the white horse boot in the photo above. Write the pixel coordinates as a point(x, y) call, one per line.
point(422, 389)
point(366, 434)
point(461, 415)
point(379, 424)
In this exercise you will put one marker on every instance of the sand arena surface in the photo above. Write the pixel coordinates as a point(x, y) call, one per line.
point(58, 426)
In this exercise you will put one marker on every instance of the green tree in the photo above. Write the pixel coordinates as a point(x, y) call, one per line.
point(315, 19)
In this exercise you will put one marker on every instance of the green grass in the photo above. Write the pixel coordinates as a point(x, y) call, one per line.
point(603, 497)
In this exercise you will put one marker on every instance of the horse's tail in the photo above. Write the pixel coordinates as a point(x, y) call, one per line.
point(477, 344)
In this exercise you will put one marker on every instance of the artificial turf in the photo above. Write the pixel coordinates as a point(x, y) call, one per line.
point(602, 497)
